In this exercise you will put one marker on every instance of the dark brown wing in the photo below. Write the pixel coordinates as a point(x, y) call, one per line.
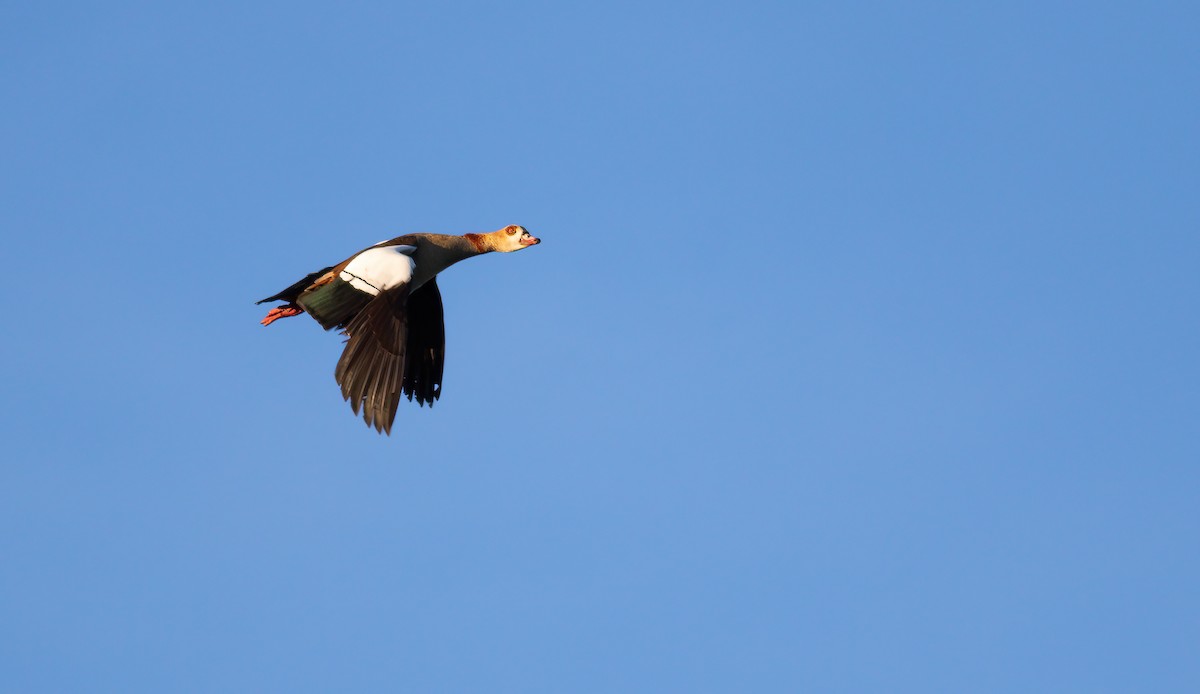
point(426, 353)
point(371, 370)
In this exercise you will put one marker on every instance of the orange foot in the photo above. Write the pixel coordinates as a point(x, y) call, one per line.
point(285, 311)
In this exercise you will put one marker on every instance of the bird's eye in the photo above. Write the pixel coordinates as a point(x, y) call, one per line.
point(512, 230)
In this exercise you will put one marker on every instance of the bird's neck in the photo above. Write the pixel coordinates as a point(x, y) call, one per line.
point(455, 248)
point(439, 251)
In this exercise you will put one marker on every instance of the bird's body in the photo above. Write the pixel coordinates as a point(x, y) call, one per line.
point(386, 300)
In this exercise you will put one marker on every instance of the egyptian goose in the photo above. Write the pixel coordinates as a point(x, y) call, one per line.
point(386, 300)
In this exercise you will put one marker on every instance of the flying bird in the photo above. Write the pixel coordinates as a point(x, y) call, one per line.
point(385, 299)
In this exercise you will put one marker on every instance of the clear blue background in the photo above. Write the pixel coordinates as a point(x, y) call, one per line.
point(859, 355)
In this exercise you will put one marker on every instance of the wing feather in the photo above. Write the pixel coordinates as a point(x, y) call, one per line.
point(426, 352)
point(374, 355)
point(396, 347)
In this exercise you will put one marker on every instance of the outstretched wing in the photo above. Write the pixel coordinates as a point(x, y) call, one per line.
point(426, 350)
point(371, 371)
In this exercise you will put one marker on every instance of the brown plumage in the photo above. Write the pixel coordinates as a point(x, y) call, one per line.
point(385, 299)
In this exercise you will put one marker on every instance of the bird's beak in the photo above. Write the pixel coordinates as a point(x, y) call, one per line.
point(531, 241)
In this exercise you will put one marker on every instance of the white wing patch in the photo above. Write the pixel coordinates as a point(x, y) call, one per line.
point(377, 269)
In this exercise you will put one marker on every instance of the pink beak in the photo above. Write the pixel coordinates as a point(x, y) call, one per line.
point(531, 241)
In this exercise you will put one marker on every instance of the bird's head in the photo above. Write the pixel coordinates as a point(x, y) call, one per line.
point(513, 238)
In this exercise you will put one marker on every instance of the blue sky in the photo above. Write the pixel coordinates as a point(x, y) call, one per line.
point(859, 355)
